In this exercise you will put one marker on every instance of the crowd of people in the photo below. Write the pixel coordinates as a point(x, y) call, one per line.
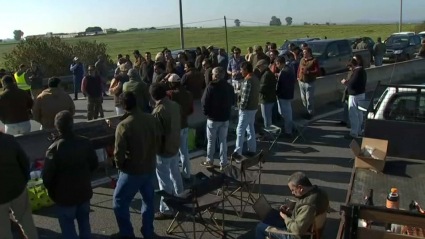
point(155, 98)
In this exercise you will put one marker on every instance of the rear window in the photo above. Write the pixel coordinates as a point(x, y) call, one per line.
point(406, 107)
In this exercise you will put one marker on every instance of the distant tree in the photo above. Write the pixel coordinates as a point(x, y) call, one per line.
point(306, 23)
point(275, 21)
point(288, 21)
point(133, 29)
point(18, 34)
point(237, 23)
point(327, 23)
point(94, 29)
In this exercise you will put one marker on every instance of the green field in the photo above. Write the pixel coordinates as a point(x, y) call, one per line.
point(154, 41)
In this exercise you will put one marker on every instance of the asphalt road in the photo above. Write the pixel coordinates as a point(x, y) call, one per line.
point(325, 158)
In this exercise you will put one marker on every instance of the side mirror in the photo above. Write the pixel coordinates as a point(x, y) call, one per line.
point(412, 44)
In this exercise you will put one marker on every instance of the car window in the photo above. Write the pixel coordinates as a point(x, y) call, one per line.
point(406, 107)
point(333, 49)
point(417, 40)
point(344, 48)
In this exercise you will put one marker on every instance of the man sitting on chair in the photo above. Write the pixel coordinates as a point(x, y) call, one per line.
point(312, 201)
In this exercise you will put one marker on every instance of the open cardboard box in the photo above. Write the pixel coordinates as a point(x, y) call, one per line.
point(376, 160)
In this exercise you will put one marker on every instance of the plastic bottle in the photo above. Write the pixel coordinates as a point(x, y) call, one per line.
point(393, 201)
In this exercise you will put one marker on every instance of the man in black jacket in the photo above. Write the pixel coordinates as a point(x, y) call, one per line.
point(217, 103)
point(267, 92)
point(14, 175)
point(285, 92)
point(93, 88)
point(70, 162)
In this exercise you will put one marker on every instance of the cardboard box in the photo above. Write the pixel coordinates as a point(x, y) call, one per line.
point(378, 152)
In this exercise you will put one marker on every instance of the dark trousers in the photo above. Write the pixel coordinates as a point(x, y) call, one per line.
point(77, 87)
point(67, 217)
point(94, 107)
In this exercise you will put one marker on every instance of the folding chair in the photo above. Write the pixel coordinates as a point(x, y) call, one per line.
point(315, 232)
point(243, 179)
point(300, 126)
point(272, 132)
point(196, 201)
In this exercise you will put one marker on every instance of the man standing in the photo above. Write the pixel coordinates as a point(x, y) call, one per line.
point(273, 56)
point(234, 68)
point(50, 102)
point(136, 165)
point(78, 73)
point(14, 173)
point(139, 89)
point(15, 105)
point(184, 98)
point(102, 71)
point(307, 74)
point(22, 80)
point(223, 59)
point(267, 92)
point(168, 115)
point(70, 162)
point(379, 50)
point(128, 61)
point(311, 202)
point(259, 55)
point(160, 72)
point(217, 102)
point(92, 87)
point(194, 81)
point(212, 56)
point(199, 58)
point(169, 58)
point(116, 87)
point(247, 109)
point(272, 47)
point(149, 64)
point(35, 74)
point(206, 65)
point(285, 92)
point(181, 64)
point(362, 45)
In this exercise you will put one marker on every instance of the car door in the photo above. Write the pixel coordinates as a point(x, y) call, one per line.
point(345, 54)
point(418, 43)
point(333, 60)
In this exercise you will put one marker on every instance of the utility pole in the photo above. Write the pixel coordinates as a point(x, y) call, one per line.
point(181, 25)
point(400, 24)
point(225, 29)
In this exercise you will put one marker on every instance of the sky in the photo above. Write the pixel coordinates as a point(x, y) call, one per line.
point(59, 16)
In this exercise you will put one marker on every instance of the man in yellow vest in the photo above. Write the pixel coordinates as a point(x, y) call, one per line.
point(22, 80)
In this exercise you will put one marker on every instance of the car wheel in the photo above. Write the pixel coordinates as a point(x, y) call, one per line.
point(407, 57)
point(322, 72)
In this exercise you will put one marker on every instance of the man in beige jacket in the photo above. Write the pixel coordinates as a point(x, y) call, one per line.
point(50, 102)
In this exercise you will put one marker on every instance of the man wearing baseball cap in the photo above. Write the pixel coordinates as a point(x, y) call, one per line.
point(184, 98)
point(267, 91)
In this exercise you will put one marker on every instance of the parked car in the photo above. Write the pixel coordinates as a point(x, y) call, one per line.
point(402, 47)
point(285, 47)
point(369, 41)
point(403, 33)
point(422, 35)
point(333, 55)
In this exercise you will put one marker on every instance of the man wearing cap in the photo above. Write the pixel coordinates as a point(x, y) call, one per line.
point(267, 91)
point(234, 68)
point(92, 87)
point(168, 114)
point(78, 73)
point(248, 106)
point(213, 56)
point(50, 102)
point(70, 162)
point(116, 87)
point(102, 71)
point(140, 90)
point(184, 98)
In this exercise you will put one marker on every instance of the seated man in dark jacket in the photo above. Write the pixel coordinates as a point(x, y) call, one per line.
point(285, 92)
point(217, 102)
point(70, 162)
point(14, 175)
point(312, 201)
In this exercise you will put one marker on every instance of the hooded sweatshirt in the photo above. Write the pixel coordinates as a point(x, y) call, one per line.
point(50, 102)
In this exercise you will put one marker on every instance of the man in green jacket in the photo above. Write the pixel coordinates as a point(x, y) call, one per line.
point(312, 201)
point(267, 92)
point(14, 175)
point(140, 90)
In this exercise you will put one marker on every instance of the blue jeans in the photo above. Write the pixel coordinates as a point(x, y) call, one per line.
point(307, 94)
point(266, 112)
point(379, 60)
point(260, 232)
point(214, 129)
point(184, 153)
point(18, 128)
point(246, 122)
point(285, 109)
point(356, 115)
point(169, 179)
point(127, 187)
point(67, 216)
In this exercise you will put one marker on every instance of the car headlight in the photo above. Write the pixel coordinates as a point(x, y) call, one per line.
point(398, 52)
